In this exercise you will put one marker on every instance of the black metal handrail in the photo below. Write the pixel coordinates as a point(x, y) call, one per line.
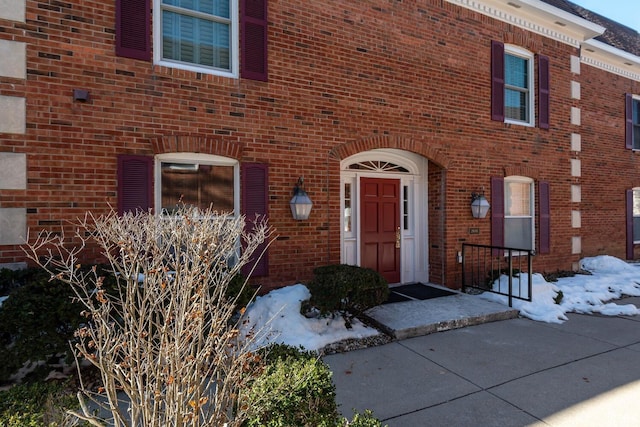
point(482, 265)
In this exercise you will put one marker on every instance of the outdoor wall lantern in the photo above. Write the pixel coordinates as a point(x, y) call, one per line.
point(479, 205)
point(300, 202)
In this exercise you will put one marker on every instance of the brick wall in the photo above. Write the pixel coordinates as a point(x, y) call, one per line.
point(339, 73)
point(610, 168)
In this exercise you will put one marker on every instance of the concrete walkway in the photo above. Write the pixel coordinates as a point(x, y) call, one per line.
point(517, 372)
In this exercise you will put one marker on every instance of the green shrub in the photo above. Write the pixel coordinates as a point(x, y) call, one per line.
point(12, 279)
point(346, 288)
point(39, 318)
point(295, 389)
point(36, 321)
point(366, 419)
point(35, 405)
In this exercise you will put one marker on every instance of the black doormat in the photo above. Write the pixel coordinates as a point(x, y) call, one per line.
point(415, 291)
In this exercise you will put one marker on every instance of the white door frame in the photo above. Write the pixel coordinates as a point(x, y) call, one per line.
point(414, 248)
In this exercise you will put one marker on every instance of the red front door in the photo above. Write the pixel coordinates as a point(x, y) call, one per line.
point(380, 219)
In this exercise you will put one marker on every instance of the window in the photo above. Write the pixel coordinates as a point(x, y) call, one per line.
point(197, 180)
point(197, 34)
point(632, 112)
point(518, 85)
point(513, 214)
point(512, 86)
point(636, 215)
point(518, 213)
point(405, 207)
point(347, 207)
point(202, 179)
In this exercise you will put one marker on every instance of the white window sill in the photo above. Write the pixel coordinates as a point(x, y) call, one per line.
point(517, 122)
point(197, 69)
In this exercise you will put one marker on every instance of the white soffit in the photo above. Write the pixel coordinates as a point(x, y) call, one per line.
point(538, 17)
point(611, 59)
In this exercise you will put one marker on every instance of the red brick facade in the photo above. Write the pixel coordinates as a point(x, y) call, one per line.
point(343, 78)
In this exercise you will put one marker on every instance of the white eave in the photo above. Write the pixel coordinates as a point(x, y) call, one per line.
point(538, 17)
point(611, 59)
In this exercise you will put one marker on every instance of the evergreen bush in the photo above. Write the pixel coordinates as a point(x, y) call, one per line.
point(346, 288)
point(35, 405)
point(36, 321)
point(295, 389)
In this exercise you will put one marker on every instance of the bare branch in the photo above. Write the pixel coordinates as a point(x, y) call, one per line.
point(162, 338)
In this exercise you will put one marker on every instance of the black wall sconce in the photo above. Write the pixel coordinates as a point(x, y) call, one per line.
point(479, 205)
point(300, 202)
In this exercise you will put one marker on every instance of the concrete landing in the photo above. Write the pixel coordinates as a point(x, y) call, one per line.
point(416, 318)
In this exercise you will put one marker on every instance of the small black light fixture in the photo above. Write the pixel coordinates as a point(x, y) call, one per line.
point(300, 202)
point(479, 205)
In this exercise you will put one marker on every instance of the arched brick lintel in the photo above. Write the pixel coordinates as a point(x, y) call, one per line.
point(422, 148)
point(196, 144)
point(522, 170)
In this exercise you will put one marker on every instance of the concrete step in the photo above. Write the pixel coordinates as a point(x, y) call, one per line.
point(416, 318)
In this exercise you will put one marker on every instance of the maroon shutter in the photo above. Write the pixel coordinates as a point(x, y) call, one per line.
point(133, 29)
point(543, 92)
point(628, 115)
point(255, 199)
point(545, 217)
point(253, 22)
point(629, 224)
point(497, 81)
point(135, 183)
point(497, 213)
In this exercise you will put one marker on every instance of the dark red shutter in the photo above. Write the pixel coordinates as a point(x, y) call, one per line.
point(135, 183)
point(497, 81)
point(545, 217)
point(497, 213)
point(543, 92)
point(628, 116)
point(133, 29)
point(255, 201)
point(629, 224)
point(253, 22)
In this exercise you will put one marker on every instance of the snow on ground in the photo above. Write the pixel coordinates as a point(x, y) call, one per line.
point(276, 317)
point(611, 278)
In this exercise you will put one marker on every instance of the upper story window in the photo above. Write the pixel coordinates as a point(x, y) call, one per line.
point(632, 113)
point(513, 86)
point(198, 35)
point(518, 84)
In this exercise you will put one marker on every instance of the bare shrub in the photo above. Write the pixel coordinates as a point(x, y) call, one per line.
point(163, 338)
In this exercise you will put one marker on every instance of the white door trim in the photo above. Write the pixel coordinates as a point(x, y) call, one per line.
point(414, 237)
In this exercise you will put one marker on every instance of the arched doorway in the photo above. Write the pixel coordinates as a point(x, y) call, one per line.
point(384, 222)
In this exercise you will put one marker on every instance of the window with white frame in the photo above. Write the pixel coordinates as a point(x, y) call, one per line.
point(519, 213)
point(348, 211)
point(197, 35)
point(636, 215)
point(197, 180)
point(518, 86)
